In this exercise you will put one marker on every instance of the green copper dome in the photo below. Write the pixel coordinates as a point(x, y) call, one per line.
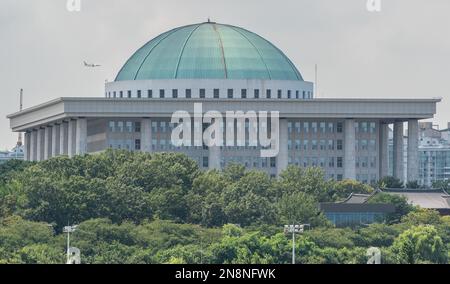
point(209, 51)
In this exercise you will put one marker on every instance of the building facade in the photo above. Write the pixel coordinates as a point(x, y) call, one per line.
point(226, 68)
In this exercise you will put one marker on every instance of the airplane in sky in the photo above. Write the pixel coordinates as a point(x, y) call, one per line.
point(90, 65)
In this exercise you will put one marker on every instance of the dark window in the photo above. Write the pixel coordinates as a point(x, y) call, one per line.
point(304, 95)
point(289, 94)
point(188, 93)
point(297, 94)
point(339, 145)
point(205, 162)
point(339, 162)
point(121, 94)
point(256, 94)
point(114, 94)
point(279, 94)
point(230, 93)
point(161, 94)
point(149, 94)
point(174, 93)
point(137, 127)
point(339, 127)
point(273, 162)
point(244, 93)
point(269, 94)
point(202, 93)
point(139, 94)
point(129, 94)
point(216, 93)
point(137, 144)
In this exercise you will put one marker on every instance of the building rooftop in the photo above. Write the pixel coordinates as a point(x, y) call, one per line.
point(429, 199)
point(209, 51)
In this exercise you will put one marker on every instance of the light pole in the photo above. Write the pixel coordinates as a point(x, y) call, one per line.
point(294, 229)
point(68, 230)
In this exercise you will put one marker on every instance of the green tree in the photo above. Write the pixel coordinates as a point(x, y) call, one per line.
point(400, 202)
point(390, 182)
point(300, 208)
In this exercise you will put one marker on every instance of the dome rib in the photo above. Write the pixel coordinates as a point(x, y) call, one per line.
point(224, 60)
point(257, 50)
point(182, 50)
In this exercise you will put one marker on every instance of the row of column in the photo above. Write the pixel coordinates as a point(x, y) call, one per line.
point(65, 138)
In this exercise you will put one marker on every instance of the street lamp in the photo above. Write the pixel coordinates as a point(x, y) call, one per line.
point(294, 229)
point(68, 230)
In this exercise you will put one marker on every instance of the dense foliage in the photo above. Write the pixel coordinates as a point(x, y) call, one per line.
point(160, 208)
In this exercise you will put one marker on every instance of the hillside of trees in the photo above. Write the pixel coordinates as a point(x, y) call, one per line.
point(134, 207)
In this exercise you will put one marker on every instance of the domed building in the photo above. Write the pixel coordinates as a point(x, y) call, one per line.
point(222, 69)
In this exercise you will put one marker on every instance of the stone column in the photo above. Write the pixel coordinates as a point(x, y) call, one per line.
point(63, 138)
point(283, 154)
point(349, 149)
point(81, 137)
point(26, 146)
point(71, 130)
point(413, 150)
point(40, 145)
point(384, 150)
point(55, 140)
point(146, 135)
point(398, 150)
point(47, 142)
point(33, 145)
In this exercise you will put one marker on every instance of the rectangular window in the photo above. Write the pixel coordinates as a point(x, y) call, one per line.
point(273, 162)
point(314, 127)
point(280, 94)
point(205, 162)
point(202, 93)
point(339, 162)
point(154, 126)
point(188, 93)
point(297, 94)
point(304, 95)
point(216, 93)
point(129, 126)
point(129, 94)
point(137, 144)
point(120, 126)
point(174, 93)
point(339, 145)
point(137, 127)
point(330, 127)
point(230, 93)
point(139, 94)
point(330, 144)
point(121, 94)
point(322, 126)
point(114, 94)
point(162, 93)
point(244, 93)
point(112, 126)
point(268, 94)
point(306, 127)
point(256, 94)
point(314, 144)
point(289, 94)
point(340, 127)
point(149, 94)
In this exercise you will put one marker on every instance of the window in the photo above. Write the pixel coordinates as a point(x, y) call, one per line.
point(268, 94)
point(162, 94)
point(120, 126)
point(330, 127)
point(314, 127)
point(256, 94)
point(313, 144)
point(339, 128)
point(188, 93)
point(322, 126)
point(129, 126)
point(306, 127)
point(114, 94)
point(121, 94)
point(154, 126)
point(244, 93)
point(112, 127)
point(322, 145)
point(149, 94)
point(129, 94)
point(205, 162)
point(139, 94)
point(339, 162)
point(297, 94)
point(230, 93)
point(331, 162)
point(137, 127)
point(372, 127)
point(279, 94)
point(305, 144)
point(174, 93)
point(304, 95)
point(339, 145)
point(137, 144)
point(202, 93)
point(273, 162)
point(330, 144)
point(289, 94)
point(216, 93)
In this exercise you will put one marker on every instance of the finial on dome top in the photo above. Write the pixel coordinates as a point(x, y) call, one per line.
point(209, 20)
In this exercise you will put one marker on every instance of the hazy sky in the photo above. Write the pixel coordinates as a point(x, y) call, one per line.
point(402, 51)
